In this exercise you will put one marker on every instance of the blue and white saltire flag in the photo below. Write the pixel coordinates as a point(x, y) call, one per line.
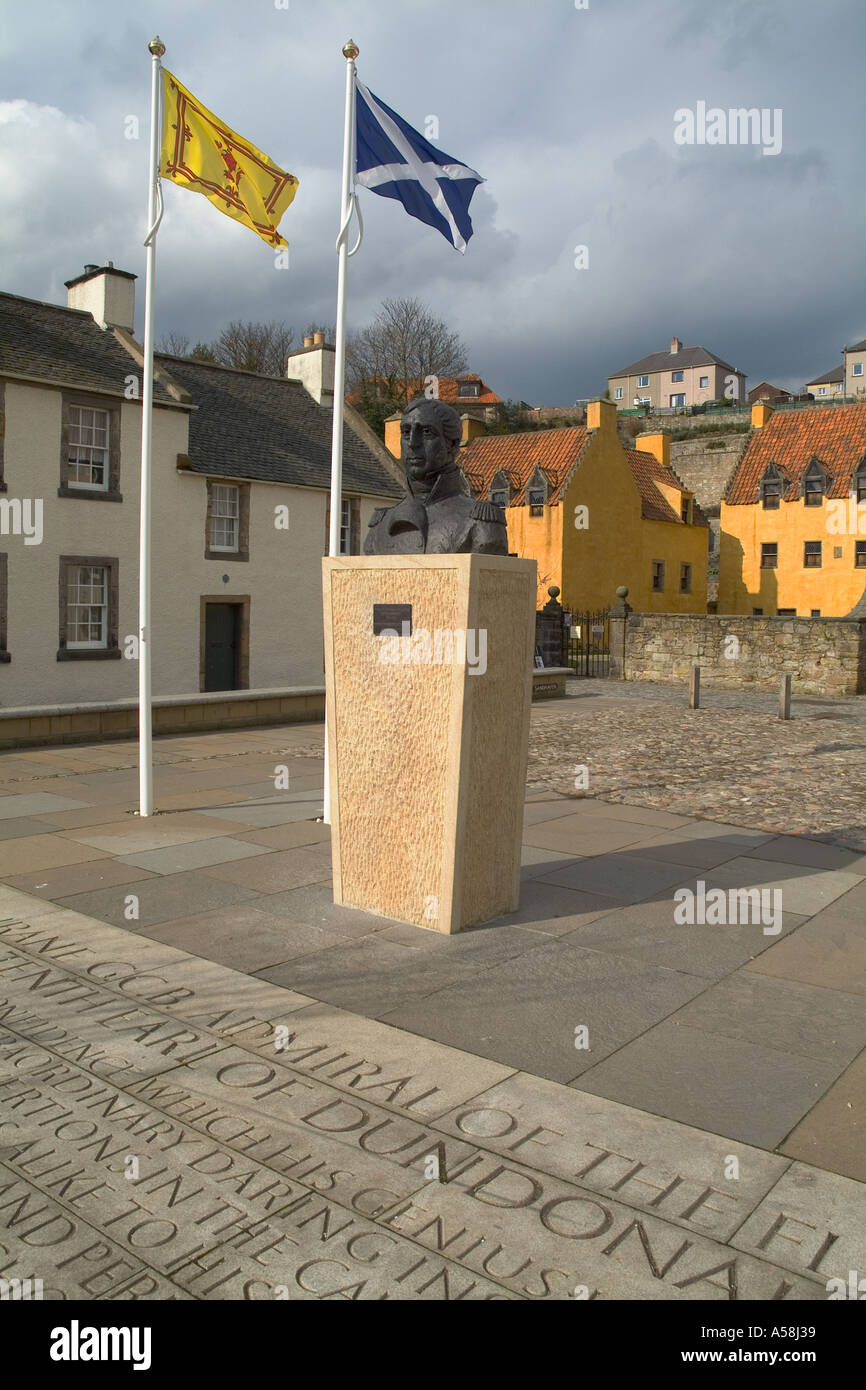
point(396, 161)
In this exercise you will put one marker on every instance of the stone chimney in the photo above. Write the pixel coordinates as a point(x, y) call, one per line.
point(676, 345)
point(473, 428)
point(393, 442)
point(656, 443)
point(313, 365)
point(601, 415)
point(105, 293)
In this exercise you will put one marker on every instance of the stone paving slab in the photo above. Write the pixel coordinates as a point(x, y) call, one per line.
point(829, 950)
point(833, 1134)
point(70, 879)
point(802, 1020)
point(237, 1160)
point(199, 854)
point(159, 899)
point(44, 852)
point(648, 932)
point(752, 1092)
point(36, 802)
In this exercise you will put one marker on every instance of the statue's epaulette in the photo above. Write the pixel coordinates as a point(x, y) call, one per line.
point(487, 511)
point(378, 513)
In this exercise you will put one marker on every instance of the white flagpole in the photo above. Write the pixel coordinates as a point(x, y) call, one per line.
point(350, 53)
point(145, 712)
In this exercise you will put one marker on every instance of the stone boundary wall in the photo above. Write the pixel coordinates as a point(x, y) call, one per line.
point(182, 714)
point(653, 424)
point(705, 471)
point(825, 656)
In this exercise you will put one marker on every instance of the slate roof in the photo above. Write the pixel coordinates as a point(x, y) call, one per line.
point(269, 429)
point(673, 361)
point(835, 374)
point(834, 434)
point(557, 452)
point(65, 347)
point(857, 347)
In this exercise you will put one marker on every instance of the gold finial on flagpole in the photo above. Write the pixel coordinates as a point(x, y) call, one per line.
point(351, 49)
point(156, 47)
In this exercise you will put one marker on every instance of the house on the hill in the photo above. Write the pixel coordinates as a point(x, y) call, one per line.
point(855, 369)
point(793, 520)
point(674, 380)
point(596, 515)
point(827, 384)
point(765, 391)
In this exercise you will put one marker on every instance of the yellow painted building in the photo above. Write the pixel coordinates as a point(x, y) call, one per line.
point(793, 521)
point(593, 514)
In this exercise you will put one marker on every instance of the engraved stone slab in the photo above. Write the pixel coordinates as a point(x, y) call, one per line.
point(651, 1164)
point(154, 1144)
point(812, 1222)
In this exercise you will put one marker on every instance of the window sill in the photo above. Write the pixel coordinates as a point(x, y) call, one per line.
point(228, 557)
point(90, 654)
point(89, 494)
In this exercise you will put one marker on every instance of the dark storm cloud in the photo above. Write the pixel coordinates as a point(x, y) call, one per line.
point(568, 113)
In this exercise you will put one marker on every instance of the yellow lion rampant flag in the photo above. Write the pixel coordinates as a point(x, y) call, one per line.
point(203, 154)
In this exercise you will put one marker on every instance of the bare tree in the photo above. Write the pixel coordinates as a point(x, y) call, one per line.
point(175, 344)
point(203, 352)
point(329, 330)
point(403, 345)
point(255, 347)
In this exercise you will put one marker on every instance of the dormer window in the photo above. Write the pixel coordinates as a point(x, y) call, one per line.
point(814, 484)
point(537, 493)
point(771, 489)
point(500, 492)
point(468, 389)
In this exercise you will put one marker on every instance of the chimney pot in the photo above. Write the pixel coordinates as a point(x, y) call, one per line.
point(89, 269)
point(318, 339)
point(308, 342)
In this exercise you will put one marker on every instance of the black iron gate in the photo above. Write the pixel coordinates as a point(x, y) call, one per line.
point(587, 641)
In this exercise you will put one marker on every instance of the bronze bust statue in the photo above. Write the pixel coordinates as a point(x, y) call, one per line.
point(437, 516)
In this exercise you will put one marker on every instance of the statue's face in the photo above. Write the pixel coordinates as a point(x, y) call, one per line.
point(425, 450)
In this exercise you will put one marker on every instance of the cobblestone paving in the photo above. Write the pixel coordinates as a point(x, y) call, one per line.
point(733, 760)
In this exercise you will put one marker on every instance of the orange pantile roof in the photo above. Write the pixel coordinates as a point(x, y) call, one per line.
point(555, 452)
point(647, 471)
point(834, 434)
point(449, 390)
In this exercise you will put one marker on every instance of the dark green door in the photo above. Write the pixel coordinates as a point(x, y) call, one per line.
point(222, 646)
